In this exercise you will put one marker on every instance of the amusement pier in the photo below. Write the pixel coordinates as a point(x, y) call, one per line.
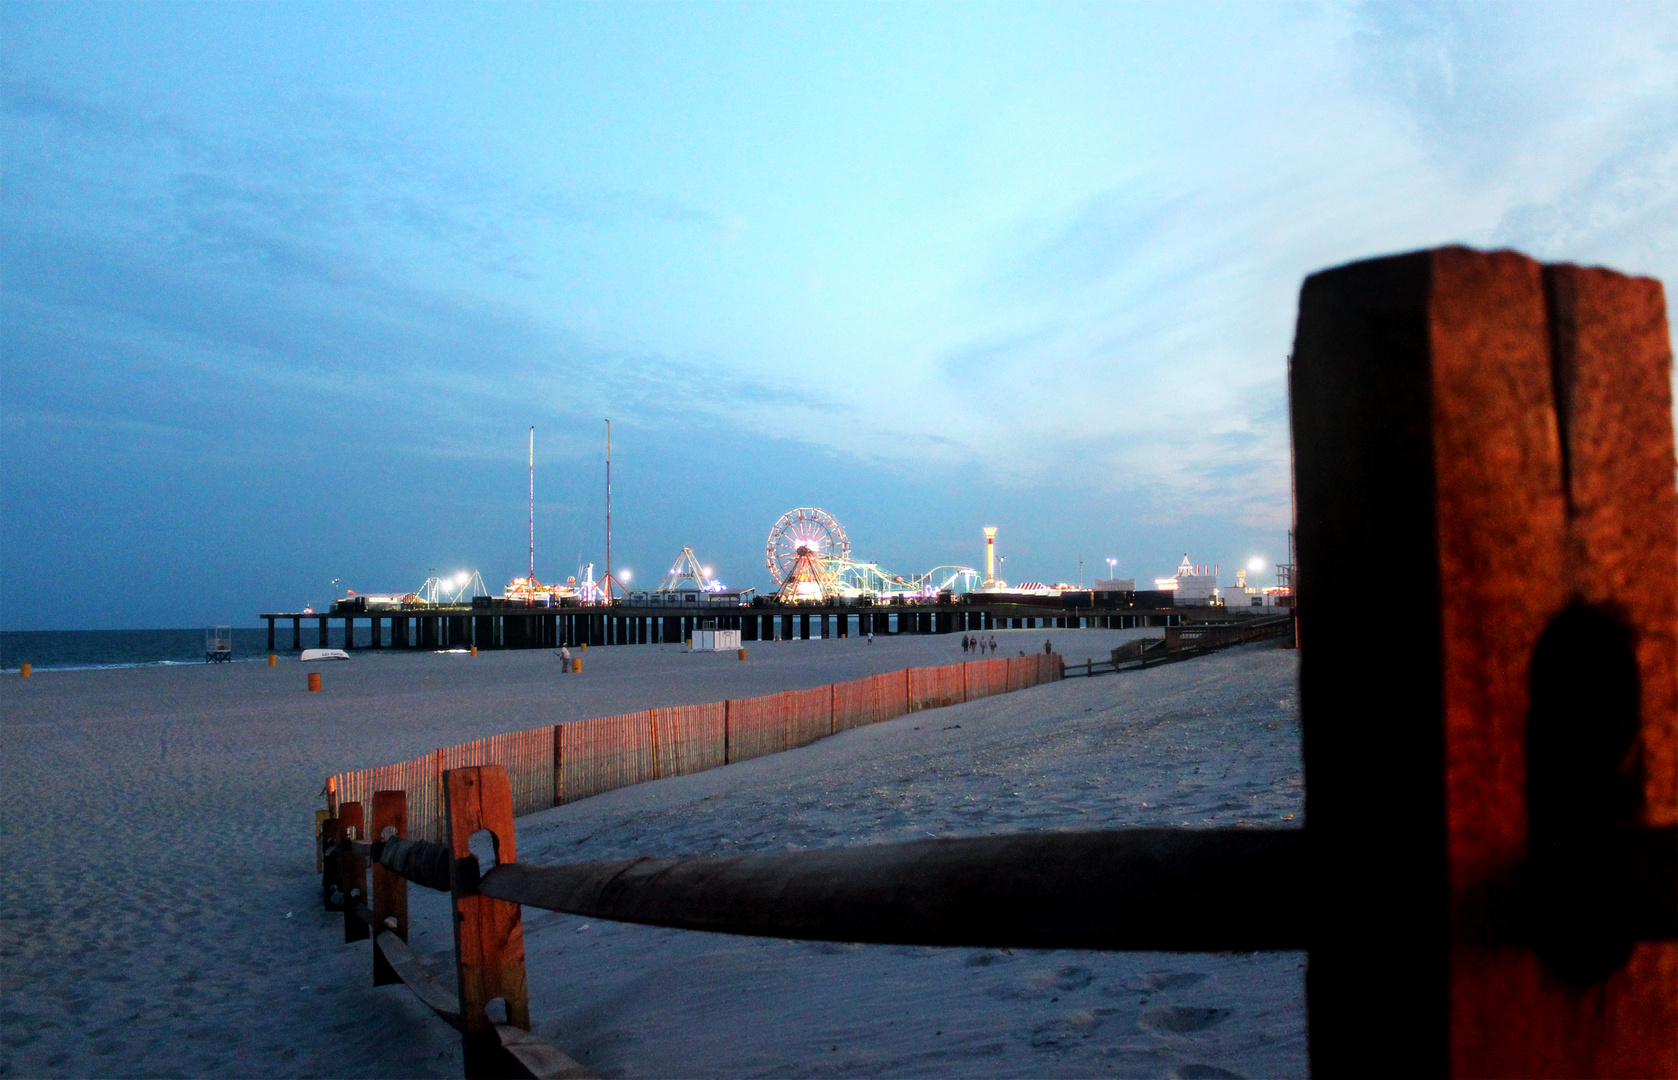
point(821, 591)
point(502, 623)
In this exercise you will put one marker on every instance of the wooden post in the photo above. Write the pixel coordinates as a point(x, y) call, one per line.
point(488, 936)
point(352, 870)
point(1500, 433)
point(390, 891)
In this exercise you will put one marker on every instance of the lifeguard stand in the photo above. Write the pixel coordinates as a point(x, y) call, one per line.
point(218, 644)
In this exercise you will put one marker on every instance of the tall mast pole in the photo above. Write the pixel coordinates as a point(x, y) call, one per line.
point(608, 503)
point(530, 582)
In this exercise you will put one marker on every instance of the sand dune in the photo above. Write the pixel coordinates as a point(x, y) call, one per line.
point(161, 914)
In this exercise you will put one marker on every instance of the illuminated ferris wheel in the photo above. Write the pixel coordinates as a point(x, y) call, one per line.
point(805, 535)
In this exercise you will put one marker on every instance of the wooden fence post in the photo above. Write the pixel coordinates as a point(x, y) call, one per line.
point(330, 834)
point(390, 891)
point(1502, 431)
point(488, 935)
point(352, 870)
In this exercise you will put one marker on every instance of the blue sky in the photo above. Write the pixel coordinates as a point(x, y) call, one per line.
point(284, 286)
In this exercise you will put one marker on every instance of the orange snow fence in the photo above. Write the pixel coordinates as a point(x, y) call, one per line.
point(566, 762)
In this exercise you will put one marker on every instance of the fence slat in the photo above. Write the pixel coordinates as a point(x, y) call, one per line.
point(548, 766)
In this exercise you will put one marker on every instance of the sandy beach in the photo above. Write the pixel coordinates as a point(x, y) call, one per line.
point(161, 911)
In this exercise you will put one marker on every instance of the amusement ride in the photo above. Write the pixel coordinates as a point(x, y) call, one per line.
point(809, 559)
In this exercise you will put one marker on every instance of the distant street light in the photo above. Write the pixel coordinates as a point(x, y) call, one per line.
point(1111, 571)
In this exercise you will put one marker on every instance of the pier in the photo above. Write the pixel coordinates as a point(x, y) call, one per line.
point(501, 624)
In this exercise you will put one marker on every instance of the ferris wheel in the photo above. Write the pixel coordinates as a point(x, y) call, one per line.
point(806, 533)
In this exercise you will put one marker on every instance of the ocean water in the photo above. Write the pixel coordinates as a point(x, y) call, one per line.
point(71, 649)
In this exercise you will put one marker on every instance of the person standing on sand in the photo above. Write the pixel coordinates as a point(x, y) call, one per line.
point(870, 637)
point(1046, 649)
point(564, 659)
point(993, 643)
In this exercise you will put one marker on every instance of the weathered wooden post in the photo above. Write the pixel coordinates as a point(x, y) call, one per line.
point(390, 891)
point(352, 869)
point(1480, 778)
point(488, 935)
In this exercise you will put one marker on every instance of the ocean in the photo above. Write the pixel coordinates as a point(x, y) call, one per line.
point(63, 650)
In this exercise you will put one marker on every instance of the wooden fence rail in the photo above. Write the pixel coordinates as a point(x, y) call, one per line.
point(1195, 640)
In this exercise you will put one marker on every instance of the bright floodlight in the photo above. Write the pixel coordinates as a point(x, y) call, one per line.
point(625, 574)
point(706, 570)
point(462, 578)
point(1256, 565)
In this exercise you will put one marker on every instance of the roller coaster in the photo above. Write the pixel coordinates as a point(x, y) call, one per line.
point(809, 560)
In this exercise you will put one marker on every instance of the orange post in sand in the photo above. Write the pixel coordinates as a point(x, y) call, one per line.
point(314, 682)
point(24, 671)
point(273, 660)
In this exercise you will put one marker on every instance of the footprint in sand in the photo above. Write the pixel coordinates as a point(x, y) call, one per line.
point(1181, 1018)
point(1203, 1072)
point(1161, 980)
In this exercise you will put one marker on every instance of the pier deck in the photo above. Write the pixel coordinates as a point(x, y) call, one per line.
point(517, 626)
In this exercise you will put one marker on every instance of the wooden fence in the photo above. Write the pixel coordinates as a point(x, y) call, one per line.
point(562, 763)
point(1487, 886)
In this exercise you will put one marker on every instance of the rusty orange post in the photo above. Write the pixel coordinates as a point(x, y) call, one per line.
point(314, 682)
point(390, 891)
point(488, 934)
point(1481, 776)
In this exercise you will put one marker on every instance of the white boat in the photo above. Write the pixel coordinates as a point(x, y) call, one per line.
point(323, 654)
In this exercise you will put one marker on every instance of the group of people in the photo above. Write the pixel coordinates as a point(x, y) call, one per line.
point(978, 644)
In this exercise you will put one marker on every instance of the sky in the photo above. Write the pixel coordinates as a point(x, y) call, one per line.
point(283, 288)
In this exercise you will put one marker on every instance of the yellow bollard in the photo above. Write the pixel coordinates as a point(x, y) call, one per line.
point(584, 646)
point(474, 650)
point(742, 654)
point(23, 672)
point(273, 660)
point(314, 682)
point(576, 665)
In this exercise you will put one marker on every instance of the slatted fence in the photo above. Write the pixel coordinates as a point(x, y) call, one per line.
point(562, 763)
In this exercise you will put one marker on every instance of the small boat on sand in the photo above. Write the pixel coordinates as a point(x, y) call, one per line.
point(323, 654)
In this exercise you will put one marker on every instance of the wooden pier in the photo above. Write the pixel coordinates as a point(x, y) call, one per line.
point(503, 625)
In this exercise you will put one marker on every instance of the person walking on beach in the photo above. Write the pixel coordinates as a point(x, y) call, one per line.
point(870, 637)
point(993, 643)
point(1047, 650)
point(564, 659)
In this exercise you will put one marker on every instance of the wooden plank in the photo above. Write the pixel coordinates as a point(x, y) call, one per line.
point(536, 1059)
point(489, 938)
point(1500, 434)
point(408, 968)
point(390, 891)
point(352, 869)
